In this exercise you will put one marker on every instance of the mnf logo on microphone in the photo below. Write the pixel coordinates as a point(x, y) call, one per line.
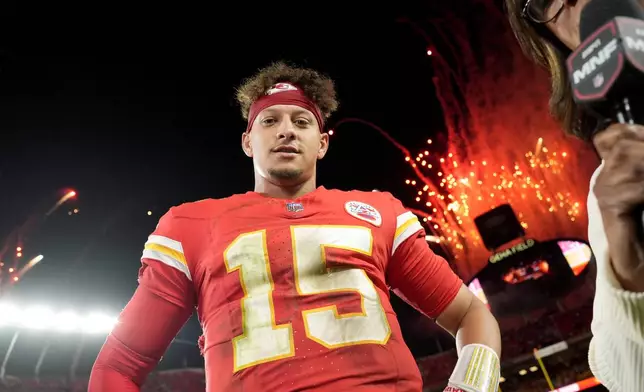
point(613, 52)
point(599, 55)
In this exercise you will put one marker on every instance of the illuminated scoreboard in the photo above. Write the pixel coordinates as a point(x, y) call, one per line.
point(577, 254)
point(525, 275)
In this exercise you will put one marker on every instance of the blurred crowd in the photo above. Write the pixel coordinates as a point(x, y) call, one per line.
point(521, 335)
point(520, 341)
point(182, 380)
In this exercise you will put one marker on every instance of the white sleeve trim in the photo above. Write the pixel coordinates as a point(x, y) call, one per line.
point(403, 218)
point(168, 252)
point(407, 224)
point(165, 241)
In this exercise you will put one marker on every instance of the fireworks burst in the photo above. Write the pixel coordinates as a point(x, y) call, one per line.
point(29, 265)
point(503, 146)
point(13, 271)
point(68, 195)
point(451, 192)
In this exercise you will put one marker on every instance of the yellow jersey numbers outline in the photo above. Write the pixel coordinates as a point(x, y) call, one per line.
point(324, 325)
point(262, 340)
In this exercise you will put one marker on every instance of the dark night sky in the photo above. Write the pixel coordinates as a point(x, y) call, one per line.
point(134, 110)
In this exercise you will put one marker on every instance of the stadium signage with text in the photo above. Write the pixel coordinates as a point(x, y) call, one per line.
point(504, 254)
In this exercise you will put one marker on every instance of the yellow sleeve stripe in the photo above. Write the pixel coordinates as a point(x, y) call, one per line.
point(178, 256)
point(165, 241)
point(400, 229)
point(403, 218)
point(168, 252)
point(407, 224)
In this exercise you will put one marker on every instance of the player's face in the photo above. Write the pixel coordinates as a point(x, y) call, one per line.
point(285, 143)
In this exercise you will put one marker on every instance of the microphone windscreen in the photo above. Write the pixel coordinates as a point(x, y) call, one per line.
point(599, 12)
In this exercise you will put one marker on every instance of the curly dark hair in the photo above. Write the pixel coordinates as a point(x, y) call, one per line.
point(317, 87)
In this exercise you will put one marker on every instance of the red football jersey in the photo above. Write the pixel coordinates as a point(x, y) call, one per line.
point(293, 295)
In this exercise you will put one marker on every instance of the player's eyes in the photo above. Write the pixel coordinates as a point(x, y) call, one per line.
point(299, 122)
point(302, 122)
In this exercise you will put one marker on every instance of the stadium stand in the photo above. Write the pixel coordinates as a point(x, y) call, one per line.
point(521, 335)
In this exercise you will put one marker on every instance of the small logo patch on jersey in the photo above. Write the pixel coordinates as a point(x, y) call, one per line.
point(364, 212)
point(294, 207)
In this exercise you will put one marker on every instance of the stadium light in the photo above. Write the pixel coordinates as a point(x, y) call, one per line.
point(68, 321)
point(44, 318)
point(37, 317)
point(9, 314)
point(98, 323)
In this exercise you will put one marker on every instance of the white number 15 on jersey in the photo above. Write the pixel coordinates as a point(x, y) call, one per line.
point(262, 339)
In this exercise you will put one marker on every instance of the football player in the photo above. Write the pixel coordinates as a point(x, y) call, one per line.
point(291, 281)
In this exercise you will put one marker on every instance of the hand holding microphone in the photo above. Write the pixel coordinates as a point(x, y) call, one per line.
point(619, 190)
point(607, 76)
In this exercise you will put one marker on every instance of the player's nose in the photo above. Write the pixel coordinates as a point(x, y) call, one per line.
point(286, 129)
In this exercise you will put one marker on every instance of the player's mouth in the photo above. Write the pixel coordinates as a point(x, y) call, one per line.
point(286, 150)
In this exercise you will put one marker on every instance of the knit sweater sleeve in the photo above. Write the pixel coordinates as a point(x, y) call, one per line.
point(616, 354)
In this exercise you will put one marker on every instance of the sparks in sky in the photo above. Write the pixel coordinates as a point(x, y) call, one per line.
point(499, 143)
point(451, 191)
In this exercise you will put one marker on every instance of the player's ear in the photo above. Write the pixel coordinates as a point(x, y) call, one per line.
point(324, 145)
point(246, 146)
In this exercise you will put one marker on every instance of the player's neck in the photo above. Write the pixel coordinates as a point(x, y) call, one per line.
point(284, 192)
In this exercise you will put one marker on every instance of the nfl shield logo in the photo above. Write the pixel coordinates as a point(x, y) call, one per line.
point(363, 211)
point(294, 207)
point(598, 80)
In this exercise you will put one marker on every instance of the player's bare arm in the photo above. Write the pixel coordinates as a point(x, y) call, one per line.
point(426, 281)
point(478, 342)
point(470, 322)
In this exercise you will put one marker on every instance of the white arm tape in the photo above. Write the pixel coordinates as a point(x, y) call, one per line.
point(477, 370)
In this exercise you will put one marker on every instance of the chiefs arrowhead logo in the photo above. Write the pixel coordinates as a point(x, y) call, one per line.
point(280, 88)
point(364, 212)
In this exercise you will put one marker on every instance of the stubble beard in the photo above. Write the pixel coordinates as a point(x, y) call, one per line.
point(285, 174)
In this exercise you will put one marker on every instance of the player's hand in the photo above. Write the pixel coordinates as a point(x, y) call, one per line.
point(620, 194)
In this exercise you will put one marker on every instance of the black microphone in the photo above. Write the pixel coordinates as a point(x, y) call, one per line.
point(607, 69)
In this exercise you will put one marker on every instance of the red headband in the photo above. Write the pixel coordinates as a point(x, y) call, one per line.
point(283, 94)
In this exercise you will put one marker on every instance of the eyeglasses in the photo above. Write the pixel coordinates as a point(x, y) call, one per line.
point(542, 11)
